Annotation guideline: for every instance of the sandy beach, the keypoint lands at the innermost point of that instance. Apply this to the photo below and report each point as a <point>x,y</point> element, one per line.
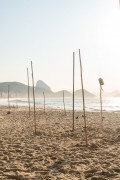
<point>56,152</point>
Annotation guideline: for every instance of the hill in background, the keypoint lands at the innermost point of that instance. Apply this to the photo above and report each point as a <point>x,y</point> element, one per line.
<point>78,93</point>
<point>43,87</point>
<point>20,90</point>
<point>16,89</point>
<point>114,93</point>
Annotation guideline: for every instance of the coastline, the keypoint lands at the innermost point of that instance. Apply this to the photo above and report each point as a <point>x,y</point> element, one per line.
<point>92,104</point>
<point>56,152</point>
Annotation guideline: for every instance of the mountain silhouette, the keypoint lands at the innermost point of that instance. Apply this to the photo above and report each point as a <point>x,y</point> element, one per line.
<point>78,93</point>
<point>42,85</point>
<point>18,89</point>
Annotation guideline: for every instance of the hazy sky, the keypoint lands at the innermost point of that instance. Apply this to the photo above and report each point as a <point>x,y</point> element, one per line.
<point>48,31</point>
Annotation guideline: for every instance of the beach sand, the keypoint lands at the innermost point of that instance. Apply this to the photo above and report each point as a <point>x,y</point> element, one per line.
<point>56,152</point>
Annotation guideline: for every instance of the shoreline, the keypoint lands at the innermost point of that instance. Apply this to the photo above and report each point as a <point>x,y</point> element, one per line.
<point>92,105</point>
<point>47,107</point>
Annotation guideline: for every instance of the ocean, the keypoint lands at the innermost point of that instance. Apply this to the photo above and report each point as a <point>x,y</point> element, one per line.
<point>91,104</point>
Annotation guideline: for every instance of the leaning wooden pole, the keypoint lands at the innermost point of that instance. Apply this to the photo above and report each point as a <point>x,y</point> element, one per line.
<point>83,97</point>
<point>73,86</point>
<point>64,102</point>
<point>28,91</point>
<point>8,99</point>
<point>33,96</point>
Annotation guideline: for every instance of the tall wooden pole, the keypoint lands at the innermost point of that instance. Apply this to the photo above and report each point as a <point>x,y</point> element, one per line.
<point>8,99</point>
<point>28,91</point>
<point>101,102</point>
<point>16,101</point>
<point>73,86</point>
<point>83,96</point>
<point>101,82</point>
<point>44,101</point>
<point>33,96</point>
<point>64,102</point>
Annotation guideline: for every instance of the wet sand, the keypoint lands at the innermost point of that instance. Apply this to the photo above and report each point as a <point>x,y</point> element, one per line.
<point>56,152</point>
